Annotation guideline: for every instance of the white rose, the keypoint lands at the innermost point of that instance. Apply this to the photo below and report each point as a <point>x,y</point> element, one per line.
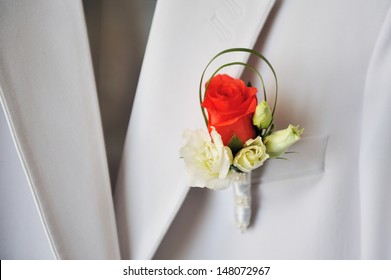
<point>207,162</point>
<point>252,156</point>
<point>278,142</point>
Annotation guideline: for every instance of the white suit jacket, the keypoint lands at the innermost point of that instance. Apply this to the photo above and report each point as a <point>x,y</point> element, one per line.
<point>329,201</point>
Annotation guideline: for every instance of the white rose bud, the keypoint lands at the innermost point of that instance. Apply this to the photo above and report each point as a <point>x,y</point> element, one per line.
<point>251,156</point>
<point>207,162</point>
<point>278,142</point>
<point>262,116</point>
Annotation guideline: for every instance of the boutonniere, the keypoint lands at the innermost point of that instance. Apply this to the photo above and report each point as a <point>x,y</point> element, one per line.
<point>240,134</point>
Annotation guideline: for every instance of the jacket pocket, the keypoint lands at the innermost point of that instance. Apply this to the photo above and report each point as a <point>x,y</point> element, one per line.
<point>305,158</point>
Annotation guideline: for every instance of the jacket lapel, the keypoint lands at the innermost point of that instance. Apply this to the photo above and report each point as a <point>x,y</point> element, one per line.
<point>48,94</point>
<point>152,182</point>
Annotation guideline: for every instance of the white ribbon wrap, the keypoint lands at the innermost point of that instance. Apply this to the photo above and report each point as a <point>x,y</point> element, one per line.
<point>242,194</point>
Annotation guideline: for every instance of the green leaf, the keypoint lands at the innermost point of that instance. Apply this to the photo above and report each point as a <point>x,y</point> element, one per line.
<point>237,170</point>
<point>235,144</point>
<point>253,52</point>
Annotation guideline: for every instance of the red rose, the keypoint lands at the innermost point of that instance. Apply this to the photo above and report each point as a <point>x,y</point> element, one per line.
<point>231,105</point>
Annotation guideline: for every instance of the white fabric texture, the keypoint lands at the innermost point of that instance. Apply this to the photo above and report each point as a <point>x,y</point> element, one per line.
<point>165,105</point>
<point>21,233</point>
<point>375,177</point>
<point>49,97</point>
<point>329,201</point>
<point>338,209</point>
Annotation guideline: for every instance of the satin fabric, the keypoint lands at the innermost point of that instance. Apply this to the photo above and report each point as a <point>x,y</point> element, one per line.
<point>22,235</point>
<point>49,97</point>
